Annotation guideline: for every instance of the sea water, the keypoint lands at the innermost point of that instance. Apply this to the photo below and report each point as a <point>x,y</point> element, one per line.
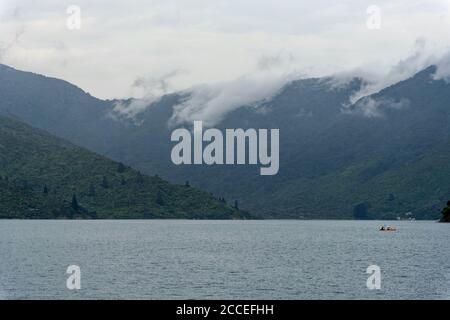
<point>182,259</point>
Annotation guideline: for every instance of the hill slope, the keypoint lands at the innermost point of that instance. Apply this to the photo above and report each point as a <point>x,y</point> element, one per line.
<point>41,173</point>
<point>335,161</point>
<point>383,157</point>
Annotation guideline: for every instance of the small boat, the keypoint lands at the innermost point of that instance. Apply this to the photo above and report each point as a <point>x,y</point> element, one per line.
<point>387,228</point>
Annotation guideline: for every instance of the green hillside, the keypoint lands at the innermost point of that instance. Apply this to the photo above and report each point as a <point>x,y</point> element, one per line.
<point>446,213</point>
<point>336,160</point>
<point>412,190</point>
<point>42,176</point>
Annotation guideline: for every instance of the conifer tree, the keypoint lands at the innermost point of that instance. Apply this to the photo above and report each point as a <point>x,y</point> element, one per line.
<point>74,205</point>
<point>105,183</point>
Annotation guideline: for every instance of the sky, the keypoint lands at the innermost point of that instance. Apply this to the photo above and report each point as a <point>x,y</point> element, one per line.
<point>148,48</point>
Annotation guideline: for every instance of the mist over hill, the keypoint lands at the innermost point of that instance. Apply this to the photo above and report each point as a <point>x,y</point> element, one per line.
<point>383,156</point>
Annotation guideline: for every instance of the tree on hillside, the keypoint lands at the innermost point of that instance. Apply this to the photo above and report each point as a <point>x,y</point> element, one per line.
<point>236,204</point>
<point>148,214</point>
<point>45,191</point>
<point>120,167</point>
<point>446,213</point>
<point>105,183</point>
<point>74,205</point>
<point>139,178</point>
<point>159,198</point>
<point>91,192</point>
<point>360,211</point>
<point>23,184</point>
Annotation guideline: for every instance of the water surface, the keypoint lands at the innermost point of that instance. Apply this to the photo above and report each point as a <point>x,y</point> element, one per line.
<point>173,259</point>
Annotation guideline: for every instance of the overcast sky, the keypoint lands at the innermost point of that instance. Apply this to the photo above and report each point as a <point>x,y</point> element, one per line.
<point>127,47</point>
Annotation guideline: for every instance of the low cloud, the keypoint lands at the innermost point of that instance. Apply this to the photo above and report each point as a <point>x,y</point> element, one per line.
<point>443,68</point>
<point>211,102</point>
<point>376,108</point>
<point>17,31</point>
<point>423,55</point>
<point>157,86</point>
<point>361,102</point>
<point>151,89</point>
<point>132,107</point>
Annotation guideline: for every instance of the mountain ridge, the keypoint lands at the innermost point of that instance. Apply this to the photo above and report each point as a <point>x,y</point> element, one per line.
<point>332,163</point>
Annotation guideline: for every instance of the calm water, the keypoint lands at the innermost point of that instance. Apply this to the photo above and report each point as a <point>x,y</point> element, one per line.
<point>223,259</point>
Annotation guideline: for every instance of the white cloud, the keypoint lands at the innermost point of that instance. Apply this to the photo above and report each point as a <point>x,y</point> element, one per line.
<point>149,89</point>
<point>214,41</point>
<point>375,77</point>
<point>375,108</point>
<point>211,102</point>
<point>443,68</point>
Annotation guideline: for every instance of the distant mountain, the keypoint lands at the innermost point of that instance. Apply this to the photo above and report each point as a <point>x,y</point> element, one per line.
<point>385,156</point>
<point>46,177</point>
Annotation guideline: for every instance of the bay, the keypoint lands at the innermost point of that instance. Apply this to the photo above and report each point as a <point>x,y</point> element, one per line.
<point>183,259</point>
